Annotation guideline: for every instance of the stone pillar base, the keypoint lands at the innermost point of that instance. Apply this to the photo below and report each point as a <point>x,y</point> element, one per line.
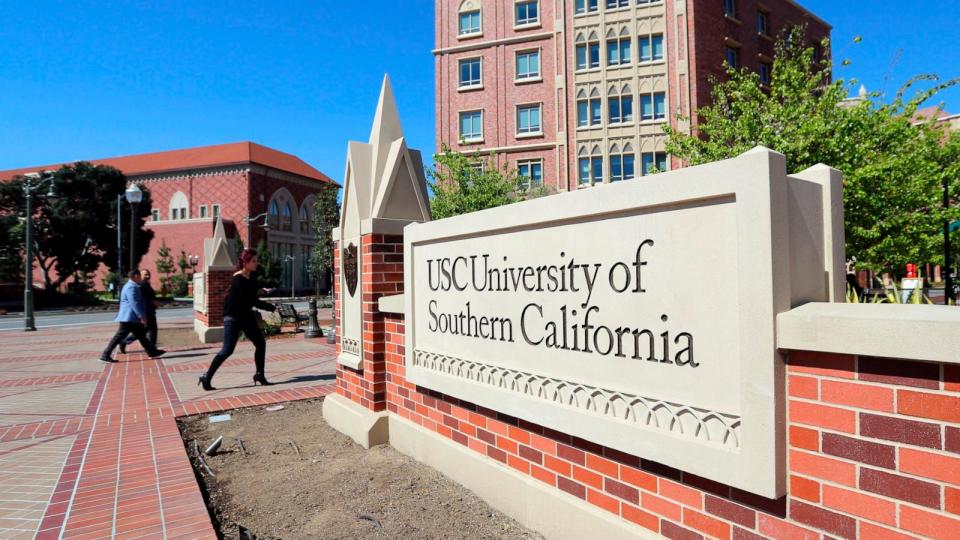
<point>207,334</point>
<point>365,427</point>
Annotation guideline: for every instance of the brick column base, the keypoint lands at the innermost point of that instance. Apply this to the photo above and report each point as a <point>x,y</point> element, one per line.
<point>209,324</point>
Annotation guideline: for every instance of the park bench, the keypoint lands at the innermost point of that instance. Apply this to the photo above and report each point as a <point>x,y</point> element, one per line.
<point>289,314</point>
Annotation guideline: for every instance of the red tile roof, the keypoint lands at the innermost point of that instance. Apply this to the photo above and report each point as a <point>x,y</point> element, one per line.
<point>201,157</point>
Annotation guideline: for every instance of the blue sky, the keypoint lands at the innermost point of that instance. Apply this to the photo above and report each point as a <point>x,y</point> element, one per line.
<point>89,79</point>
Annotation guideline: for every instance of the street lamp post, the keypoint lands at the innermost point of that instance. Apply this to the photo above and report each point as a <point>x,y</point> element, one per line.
<point>134,196</point>
<point>28,189</point>
<point>293,277</point>
<point>248,220</point>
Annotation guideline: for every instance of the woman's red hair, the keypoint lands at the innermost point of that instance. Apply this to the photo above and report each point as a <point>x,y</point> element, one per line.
<point>246,256</point>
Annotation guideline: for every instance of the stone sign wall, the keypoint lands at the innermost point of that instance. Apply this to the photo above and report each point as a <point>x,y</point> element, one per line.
<point>199,293</point>
<point>639,316</point>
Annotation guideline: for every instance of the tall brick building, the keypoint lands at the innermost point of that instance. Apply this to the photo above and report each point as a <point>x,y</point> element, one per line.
<point>191,187</point>
<point>576,92</point>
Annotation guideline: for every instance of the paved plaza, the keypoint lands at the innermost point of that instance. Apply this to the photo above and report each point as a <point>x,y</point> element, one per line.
<point>91,450</point>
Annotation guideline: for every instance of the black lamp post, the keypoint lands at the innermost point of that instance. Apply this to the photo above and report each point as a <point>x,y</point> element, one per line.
<point>134,196</point>
<point>250,219</point>
<point>28,188</point>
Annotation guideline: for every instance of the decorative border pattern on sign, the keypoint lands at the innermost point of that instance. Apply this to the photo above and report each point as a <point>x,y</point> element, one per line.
<point>350,346</point>
<point>683,420</point>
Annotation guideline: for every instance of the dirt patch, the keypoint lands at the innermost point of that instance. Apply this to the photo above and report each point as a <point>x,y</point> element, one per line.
<point>323,485</point>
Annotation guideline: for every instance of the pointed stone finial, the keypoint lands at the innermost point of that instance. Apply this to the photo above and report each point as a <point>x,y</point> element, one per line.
<point>217,251</point>
<point>218,231</point>
<point>862,94</point>
<point>386,130</point>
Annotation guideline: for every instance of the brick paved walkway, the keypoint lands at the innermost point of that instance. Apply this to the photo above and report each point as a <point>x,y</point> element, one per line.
<point>89,450</point>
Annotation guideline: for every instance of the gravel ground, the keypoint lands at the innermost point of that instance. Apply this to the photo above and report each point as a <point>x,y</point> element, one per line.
<point>299,478</point>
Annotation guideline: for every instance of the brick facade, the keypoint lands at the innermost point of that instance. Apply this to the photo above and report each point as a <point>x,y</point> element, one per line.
<point>873,444</point>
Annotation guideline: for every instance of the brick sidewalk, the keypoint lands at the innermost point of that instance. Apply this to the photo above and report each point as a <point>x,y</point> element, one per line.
<point>90,450</point>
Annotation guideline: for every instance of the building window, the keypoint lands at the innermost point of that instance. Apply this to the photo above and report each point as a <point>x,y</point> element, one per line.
<point>621,109</point>
<point>286,222</point>
<point>653,161</point>
<point>527,12</point>
<point>216,211</point>
<point>477,166</point>
<point>155,214</point>
<point>588,112</point>
<point>203,211</point>
<point>590,168</point>
<point>762,23</point>
<point>730,8</point>
<point>653,106</point>
<point>618,51</point>
<point>304,220</point>
<point>588,55</point>
<point>471,126</point>
<point>651,48</point>
<point>733,57</point>
<point>615,4</point>
<point>274,214</point>
<point>764,73</point>
<point>586,6</point>
<point>528,65</point>
<point>531,173</point>
<point>621,166</point>
<point>470,23</point>
<point>528,119</point>
<point>178,206</point>
<point>470,73</point>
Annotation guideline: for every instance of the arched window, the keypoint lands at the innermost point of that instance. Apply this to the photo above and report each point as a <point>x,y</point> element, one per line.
<point>286,223</point>
<point>622,163</point>
<point>179,206</point>
<point>305,227</point>
<point>590,166</point>
<point>470,23</point>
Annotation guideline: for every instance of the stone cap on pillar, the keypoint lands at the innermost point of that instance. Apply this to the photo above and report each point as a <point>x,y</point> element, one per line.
<point>218,253</point>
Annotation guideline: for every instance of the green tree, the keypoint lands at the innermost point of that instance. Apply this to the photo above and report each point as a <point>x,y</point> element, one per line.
<point>77,232</point>
<point>893,165</point>
<point>326,216</point>
<point>460,187</point>
<point>11,249</point>
<point>269,268</point>
<point>165,267</point>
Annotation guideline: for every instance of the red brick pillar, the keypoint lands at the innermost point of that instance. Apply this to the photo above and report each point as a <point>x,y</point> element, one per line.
<point>382,268</point>
<point>209,323</point>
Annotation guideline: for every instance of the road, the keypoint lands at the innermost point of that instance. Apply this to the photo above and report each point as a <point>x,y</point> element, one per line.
<point>57,320</point>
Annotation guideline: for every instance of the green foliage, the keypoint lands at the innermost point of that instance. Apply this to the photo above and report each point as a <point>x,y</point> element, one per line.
<point>893,167</point>
<point>269,268</point>
<point>326,216</point>
<point>77,232</point>
<point>165,267</point>
<point>11,249</point>
<point>182,262</point>
<point>460,187</point>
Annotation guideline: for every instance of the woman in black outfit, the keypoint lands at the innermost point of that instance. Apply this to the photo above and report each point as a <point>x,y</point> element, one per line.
<point>238,316</point>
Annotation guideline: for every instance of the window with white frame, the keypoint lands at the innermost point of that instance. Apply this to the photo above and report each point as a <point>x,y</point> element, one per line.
<point>653,106</point>
<point>590,166</point>
<point>470,73</point>
<point>216,211</point>
<point>470,22</point>
<point>471,126</point>
<point>622,163</point>
<point>477,165</point>
<point>203,211</point>
<point>651,48</point>
<point>586,6</point>
<point>528,65</point>
<point>528,119</point>
<point>589,109</point>
<point>527,12</point>
<point>178,206</point>
<point>653,162</point>
<point>618,50</point>
<point>588,52</point>
<point>155,214</point>
<point>620,105</point>
<point>530,172</point>
<point>617,4</point>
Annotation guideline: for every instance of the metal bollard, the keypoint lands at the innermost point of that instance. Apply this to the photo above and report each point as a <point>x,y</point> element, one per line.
<point>313,329</point>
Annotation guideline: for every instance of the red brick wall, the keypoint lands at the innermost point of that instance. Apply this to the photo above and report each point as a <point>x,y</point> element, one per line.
<point>217,282</point>
<point>382,267</point>
<point>874,447</point>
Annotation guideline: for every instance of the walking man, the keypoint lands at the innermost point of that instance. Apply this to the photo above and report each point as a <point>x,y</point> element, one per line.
<point>150,299</point>
<point>132,318</point>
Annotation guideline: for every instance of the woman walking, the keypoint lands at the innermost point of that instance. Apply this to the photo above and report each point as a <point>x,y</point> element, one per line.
<point>238,316</point>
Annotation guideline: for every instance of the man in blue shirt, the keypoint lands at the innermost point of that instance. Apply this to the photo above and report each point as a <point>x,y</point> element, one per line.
<point>133,320</point>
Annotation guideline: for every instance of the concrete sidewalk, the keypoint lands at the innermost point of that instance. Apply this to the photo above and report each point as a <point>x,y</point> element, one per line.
<point>90,450</point>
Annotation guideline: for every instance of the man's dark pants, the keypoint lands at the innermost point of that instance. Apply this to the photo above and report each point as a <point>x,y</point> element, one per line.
<point>138,330</point>
<point>151,330</point>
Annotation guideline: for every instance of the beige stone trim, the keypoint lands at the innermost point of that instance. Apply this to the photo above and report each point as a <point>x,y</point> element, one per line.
<point>365,427</point>
<point>352,361</point>
<point>207,334</point>
<point>391,304</point>
<point>914,332</point>
<point>492,42</point>
<point>551,512</point>
<point>384,225</point>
